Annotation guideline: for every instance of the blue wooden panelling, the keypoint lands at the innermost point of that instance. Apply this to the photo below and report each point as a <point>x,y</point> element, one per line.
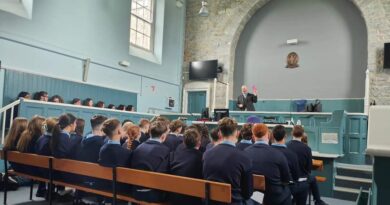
<point>328,105</point>
<point>29,108</point>
<point>351,130</point>
<point>16,81</point>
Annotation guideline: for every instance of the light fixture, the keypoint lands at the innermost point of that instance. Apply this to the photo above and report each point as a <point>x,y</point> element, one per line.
<point>179,3</point>
<point>204,11</point>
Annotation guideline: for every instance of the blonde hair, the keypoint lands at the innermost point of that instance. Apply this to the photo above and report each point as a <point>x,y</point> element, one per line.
<point>31,134</point>
<point>18,126</point>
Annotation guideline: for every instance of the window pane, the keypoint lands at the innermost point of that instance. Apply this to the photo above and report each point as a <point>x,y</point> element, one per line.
<point>133,23</point>
<point>146,42</point>
<point>140,26</point>
<point>141,23</point>
<point>147,30</point>
<point>139,40</point>
<point>132,36</point>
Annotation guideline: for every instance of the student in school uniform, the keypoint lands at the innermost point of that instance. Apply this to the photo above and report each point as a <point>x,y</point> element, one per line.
<point>19,124</point>
<point>134,135</point>
<point>41,96</point>
<point>300,186</point>
<point>27,144</point>
<point>100,104</point>
<point>215,139</point>
<point>88,102</point>
<point>152,155</point>
<point>246,137</point>
<point>227,164</point>
<point>42,147</point>
<point>29,137</point>
<point>187,162</point>
<point>76,101</point>
<point>60,140</point>
<point>204,132</point>
<point>112,154</point>
<point>76,137</point>
<point>91,144</point>
<point>56,99</point>
<point>174,138</point>
<point>272,164</point>
<point>304,155</point>
<point>144,124</point>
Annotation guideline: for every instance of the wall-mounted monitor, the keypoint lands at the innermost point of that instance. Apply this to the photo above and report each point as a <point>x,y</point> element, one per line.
<point>386,63</point>
<point>203,70</point>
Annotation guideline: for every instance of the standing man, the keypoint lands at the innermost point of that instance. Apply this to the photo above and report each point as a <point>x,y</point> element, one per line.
<point>245,100</point>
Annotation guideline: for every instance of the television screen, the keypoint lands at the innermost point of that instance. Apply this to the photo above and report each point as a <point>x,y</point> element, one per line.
<point>386,63</point>
<point>203,70</point>
<point>220,113</point>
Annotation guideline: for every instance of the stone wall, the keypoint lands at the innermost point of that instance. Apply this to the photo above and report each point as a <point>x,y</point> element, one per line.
<point>216,37</point>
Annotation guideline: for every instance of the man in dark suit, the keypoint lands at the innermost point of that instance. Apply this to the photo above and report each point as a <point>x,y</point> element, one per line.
<point>246,100</point>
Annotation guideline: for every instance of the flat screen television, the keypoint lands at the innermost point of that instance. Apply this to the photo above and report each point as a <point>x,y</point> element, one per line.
<point>386,63</point>
<point>203,70</point>
<point>220,113</point>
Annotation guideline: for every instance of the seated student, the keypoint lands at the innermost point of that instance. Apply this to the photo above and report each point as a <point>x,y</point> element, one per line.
<point>91,144</point>
<point>121,107</point>
<point>174,138</point>
<point>272,164</point>
<point>41,96</point>
<point>60,140</point>
<point>76,101</point>
<point>134,135</point>
<point>43,143</point>
<point>111,106</point>
<point>19,124</point>
<point>56,99</point>
<point>215,139</point>
<point>27,142</point>
<point>152,155</point>
<point>227,164</point>
<point>204,132</point>
<point>187,162</point>
<point>144,124</point>
<point>23,95</point>
<point>100,104</point>
<point>42,148</point>
<point>88,102</point>
<point>76,137</point>
<point>112,154</point>
<point>130,108</point>
<point>126,124</point>
<point>312,180</point>
<point>299,188</point>
<point>246,137</point>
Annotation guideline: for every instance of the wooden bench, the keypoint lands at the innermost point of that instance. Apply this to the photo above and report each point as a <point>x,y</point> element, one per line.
<point>207,190</point>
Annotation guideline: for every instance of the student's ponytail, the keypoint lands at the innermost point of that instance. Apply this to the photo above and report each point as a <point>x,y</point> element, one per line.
<point>63,121</point>
<point>54,140</point>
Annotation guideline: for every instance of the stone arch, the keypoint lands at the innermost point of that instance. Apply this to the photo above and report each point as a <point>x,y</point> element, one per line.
<point>376,26</point>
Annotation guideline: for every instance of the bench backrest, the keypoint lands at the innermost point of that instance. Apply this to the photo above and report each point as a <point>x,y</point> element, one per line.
<point>170,183</point>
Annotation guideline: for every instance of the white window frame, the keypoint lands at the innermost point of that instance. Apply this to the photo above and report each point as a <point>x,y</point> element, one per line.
<point>155,54</point>
<point>152,27</point>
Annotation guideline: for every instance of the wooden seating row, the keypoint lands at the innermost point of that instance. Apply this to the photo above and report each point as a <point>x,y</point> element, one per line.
<point>207,190</point>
